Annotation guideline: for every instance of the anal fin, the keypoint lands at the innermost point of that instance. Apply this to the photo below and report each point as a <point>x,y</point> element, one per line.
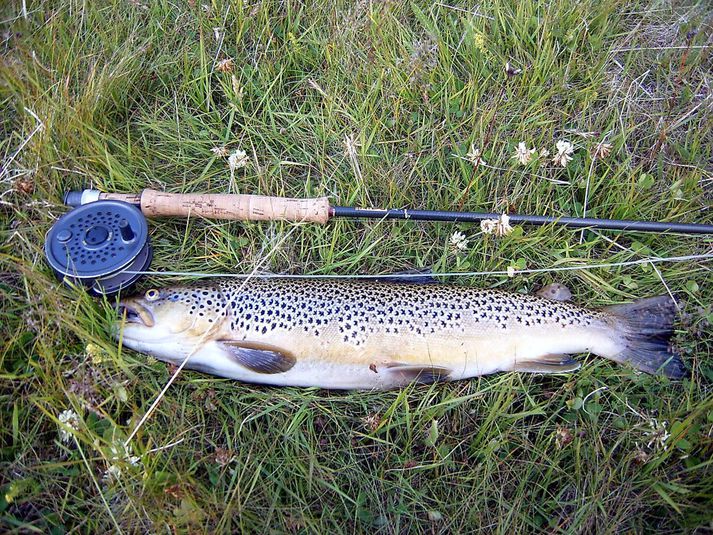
<point>409,373</point>
<point>547,364</point>
<point>260,358</point>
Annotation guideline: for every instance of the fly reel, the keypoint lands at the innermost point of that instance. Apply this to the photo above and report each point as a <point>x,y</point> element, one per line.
<point>100,245</point>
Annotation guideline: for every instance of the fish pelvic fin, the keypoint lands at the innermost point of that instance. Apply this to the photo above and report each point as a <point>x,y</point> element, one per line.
<point>258,358</point>
<point>645,327</point>
<point>547,364</point>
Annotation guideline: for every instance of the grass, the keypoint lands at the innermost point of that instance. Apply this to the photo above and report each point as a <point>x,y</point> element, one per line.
<point>129,96</point>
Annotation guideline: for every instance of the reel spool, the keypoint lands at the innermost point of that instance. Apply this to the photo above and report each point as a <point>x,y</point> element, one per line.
<point>96,243</point>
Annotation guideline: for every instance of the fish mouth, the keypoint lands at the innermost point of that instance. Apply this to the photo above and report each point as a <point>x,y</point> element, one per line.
<point>135,313</point>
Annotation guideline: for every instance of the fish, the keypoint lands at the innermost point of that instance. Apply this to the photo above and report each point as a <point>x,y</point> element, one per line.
<point>368,334</point>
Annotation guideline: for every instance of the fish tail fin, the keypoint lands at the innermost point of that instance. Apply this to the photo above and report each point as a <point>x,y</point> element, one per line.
<point>645,327</point>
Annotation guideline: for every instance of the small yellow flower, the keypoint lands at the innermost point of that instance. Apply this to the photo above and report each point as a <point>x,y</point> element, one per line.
<point>96,353</point>
<point>293,41</point>
<point>479,41</point>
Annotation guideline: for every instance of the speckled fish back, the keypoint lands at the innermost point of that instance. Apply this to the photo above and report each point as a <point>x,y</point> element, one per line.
<point>358,308</point>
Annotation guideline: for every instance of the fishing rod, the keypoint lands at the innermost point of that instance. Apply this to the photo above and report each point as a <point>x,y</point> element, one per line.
<point>103,243</point>
<point>244,207</point>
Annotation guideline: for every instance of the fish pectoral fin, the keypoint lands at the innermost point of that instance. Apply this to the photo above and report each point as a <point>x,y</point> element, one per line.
<point>547,364</point>
<point>259,358</point>
<point>555,292</point>
<point>422,374</point>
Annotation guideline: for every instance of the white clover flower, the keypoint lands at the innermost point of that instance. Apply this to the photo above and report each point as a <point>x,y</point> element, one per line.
<point>564,153</point>
<point>504,225</point>
<point>220,151</point>
<point>121,453</point>
<point>499,227</point>
<point>487,226</point>
<point>602,151</point>
<point>458,241</point>
<point>223,457</point>
<point>658,435</point>
<point>225,65</point>
<point>511,271</point>
<point>113,473</point>
<point>119,456</point>
<point>473,156</point>
<point>350,146</point>
<point>70,424</point>
<point>523,154</point>
<point>237,159</point>
<point>543,155</point>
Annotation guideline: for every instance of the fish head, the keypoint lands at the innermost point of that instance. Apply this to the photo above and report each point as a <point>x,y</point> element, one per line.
<point>170,323</point>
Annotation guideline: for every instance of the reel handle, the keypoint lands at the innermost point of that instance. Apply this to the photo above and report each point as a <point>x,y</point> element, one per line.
<point>215,206</point>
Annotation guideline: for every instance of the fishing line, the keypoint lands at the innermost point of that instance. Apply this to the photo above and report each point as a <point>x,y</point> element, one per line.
<point>648,260</point>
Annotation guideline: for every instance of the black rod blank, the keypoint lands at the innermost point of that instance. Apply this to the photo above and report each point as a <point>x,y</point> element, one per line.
<point>515,219</point>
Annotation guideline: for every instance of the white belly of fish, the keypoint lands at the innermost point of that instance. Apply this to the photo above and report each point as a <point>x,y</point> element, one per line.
<point>397,366</point>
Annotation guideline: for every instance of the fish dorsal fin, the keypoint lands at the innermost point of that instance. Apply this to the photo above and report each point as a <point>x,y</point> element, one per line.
<point>547,364</point>
<point>415,276</point>
<point>422,374</point>
<point>555,292</point>
<point>260,358</point>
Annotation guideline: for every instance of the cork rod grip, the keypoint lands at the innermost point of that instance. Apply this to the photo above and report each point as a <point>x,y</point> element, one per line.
<point>237,206</point>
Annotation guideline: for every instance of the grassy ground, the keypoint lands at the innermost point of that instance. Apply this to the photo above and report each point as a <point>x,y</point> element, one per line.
<point>373,104</point>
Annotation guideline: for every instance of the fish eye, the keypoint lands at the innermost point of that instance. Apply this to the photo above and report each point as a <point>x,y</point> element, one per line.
<point>152,294</point>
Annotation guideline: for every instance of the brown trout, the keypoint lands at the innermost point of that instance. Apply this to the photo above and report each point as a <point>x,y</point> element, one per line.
<point>366,334</point>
